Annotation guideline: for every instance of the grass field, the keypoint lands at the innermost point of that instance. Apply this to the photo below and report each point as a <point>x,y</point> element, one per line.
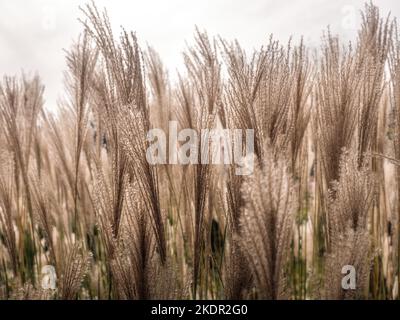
<point>78,193</point>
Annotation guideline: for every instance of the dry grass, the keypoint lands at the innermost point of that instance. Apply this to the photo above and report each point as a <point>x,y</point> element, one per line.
<point>77,191</point>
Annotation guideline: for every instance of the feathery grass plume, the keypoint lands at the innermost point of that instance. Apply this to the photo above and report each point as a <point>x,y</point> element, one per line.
<point>74,270</point>
<point>108,195</point>
<point>159,84</point>
<point>29,292</point>
<point>21,101</point>
<point>133,139</point>
<point>56,147</point>
<point>81,62</point>
<point>162,110</point>
<point>136,264</point>
<point>124,70</point>
<point>300,107</point>
<point>337,106</point>
<point>8,210</point>
<point>173,183</point>
<point>110,160</point>
<point>262,92</point>
<point>204,70</point>
<point>135,249</point>
<point>267,224</point>
<point>110,92</point>
<point>168,288</point>
<point>108,198</point>
<point>355,191</point>
<point>337,103</point>
<point>275,94</point>
<point>110,172</point>
<point>237,275</point>
<point>56,133</point>
<point>244,79</point>
<point>44,207</point>
<point>78,180</point>
<point>243,86</point>
<point>394,67</point>
<point>394,64</point>
<point>348,228</point>
<point>303,73</point>
<point>238,279</point>
<point>184,185</point>
<point>121,58</point>
<point>261,97</point>
<point>373,47</point>
<point>103,199</point>
<point>20,105</point>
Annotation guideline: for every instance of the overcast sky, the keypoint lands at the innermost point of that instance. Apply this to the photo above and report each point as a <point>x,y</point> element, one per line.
<point>34,33</point>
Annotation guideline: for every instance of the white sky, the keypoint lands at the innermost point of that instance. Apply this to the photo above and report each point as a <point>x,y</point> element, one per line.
<point>34,33</point>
